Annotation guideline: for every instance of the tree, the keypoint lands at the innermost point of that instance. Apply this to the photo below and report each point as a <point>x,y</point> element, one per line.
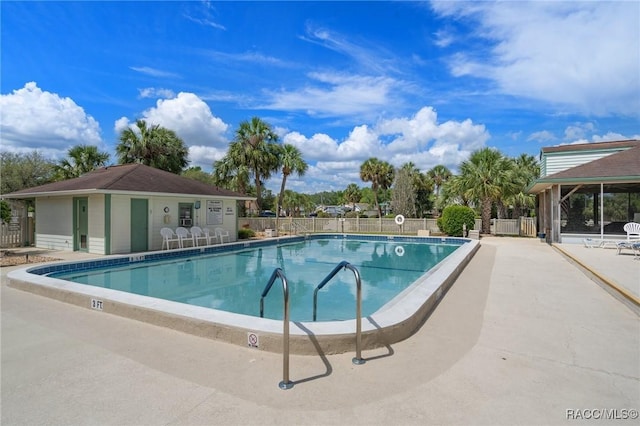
<point>81,159</point>
<point>453,192</point>
<point>404,195</point>
<point>439,175</point>
<point>352,195</point>
<point>482,178</point>
<point>422,189</point>
<point>255,148</point>
<point>231,176</point>
<point>152,146</point>
<point>197,173</point>
<point>291,162</point>
<point>380,174</point>
<point>526,170</point>
<point>5,211</point>
<point>21,171</point>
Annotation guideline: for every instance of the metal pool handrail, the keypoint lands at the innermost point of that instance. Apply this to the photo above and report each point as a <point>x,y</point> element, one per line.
<point>346,265</point>
<point>277,273</point>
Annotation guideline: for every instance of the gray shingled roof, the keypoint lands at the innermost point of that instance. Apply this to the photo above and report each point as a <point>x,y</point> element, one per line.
<point>622,167</point>
<point>135,178</point>
<point>629,143</point>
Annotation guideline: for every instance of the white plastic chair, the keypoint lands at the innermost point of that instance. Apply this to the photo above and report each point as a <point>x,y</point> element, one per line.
<point>197,234</point>
<point>168,236</point>
<point>183,235</point>
<point>209,236</point>
<point>222,234</point>
<point>633,231</point>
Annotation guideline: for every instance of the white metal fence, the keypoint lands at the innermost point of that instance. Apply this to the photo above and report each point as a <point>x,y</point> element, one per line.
<point>300,225</point>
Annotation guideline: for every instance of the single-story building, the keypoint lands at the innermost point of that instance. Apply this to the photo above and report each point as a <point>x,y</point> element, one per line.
<point>121,209</point>
<point>588,190</point>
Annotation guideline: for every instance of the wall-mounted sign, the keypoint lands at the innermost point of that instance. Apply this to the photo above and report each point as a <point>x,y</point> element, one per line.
<point>214,212</point>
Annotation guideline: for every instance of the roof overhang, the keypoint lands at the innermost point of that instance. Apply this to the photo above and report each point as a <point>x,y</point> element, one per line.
<point>543,184</point>
<point>87,192</point>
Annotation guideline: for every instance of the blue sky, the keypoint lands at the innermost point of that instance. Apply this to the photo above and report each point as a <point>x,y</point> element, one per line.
<point>427,82</point>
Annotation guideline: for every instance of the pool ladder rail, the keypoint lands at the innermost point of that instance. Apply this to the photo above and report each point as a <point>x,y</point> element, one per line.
<point>278,273</point>
<point>341,266</point>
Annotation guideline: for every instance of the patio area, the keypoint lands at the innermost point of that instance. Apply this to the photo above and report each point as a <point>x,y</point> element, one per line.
<point>524,336</point>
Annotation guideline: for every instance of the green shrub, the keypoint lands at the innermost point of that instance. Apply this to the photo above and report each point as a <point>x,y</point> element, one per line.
<point>5,210</point>
<point>245,233</point>
<point>452,219</point>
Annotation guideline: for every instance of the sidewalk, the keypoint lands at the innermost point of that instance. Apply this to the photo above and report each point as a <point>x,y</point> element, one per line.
<point>623,270</point>
<point>522,337</point>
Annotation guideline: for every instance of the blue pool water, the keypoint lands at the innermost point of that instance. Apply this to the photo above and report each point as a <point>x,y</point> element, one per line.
<point>234,281</point>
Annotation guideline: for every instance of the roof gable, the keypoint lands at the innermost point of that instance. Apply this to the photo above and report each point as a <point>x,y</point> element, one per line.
<point>592,146</point>
<point>130,178</point>
<point>621,164</point>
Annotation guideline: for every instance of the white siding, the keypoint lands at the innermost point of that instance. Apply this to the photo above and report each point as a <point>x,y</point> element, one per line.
<point>159,219</point>
<point>54,223</point>
<point>557,162</point>
<point>54,242</point>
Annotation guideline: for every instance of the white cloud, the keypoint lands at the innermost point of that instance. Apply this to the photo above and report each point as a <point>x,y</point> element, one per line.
<point>339,95</point>
<point>419,139</point>
<point>121,124</point>
<point>192,120</point>
<point>372,58</point>
<point>578,131</point>
<point>613,136</point>
<point>542,136</point>
<point>154,72</point>
<point>155,92</point>
<point>443,38</point>
<point>585,55</point>
<point>35,119</point>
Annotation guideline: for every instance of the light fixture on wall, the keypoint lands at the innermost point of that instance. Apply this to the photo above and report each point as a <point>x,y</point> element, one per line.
<point>197,204</point>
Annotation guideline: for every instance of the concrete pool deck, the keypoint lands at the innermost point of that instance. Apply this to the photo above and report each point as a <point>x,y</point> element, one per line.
<point>523,337</point>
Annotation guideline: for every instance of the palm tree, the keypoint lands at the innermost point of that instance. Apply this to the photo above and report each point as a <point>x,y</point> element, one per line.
<point>482,178</point>
<point>291,162</point>
<point>439,175</point>
<point>152,146</point>
<point>454,193</point>
<point>352,195</point>
<point>380,174</point>
<point>229,176</point>
<point>526,169</point>
<point>255,147</point>
<point>81,159</point>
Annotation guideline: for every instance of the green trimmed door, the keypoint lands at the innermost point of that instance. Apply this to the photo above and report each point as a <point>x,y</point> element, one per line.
<point>139,225</point>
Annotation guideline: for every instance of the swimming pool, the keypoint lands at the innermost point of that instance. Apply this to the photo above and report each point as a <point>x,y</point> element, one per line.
<point>393,305</point>
<point>233,281</point>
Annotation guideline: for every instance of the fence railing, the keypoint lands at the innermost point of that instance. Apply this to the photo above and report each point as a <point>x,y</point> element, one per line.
<point>17,233</point>
<point>524,226</point>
